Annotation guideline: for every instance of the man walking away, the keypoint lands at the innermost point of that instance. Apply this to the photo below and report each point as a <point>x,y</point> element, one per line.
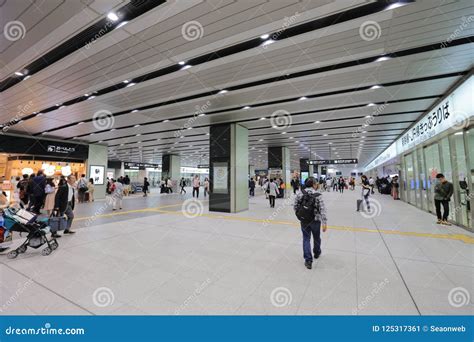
<point>82,188</point>
<point>251,187</point>
<point>182,184</point>
<point>443,192</point>
<point>311,212</point>
<point>146,185</point>
<point>126,187</point>
<point>273,192</point>
<point>38,188</point>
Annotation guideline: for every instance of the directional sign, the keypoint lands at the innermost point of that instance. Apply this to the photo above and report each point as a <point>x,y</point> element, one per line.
<point>332,161</point>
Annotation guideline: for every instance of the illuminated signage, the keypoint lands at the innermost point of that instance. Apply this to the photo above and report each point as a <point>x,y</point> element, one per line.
<point>332,161</point>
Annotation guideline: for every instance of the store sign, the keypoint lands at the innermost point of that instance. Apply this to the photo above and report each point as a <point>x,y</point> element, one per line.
<point>60,149</point>
<point>454,111</point>
<point>203,166</point>
<point>332,161</point>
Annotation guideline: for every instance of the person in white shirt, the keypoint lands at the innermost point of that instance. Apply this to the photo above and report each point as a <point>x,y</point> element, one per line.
<point>272,190</point>
<point>372,184</point>
<point>117,194</point>
<point>196,185</point>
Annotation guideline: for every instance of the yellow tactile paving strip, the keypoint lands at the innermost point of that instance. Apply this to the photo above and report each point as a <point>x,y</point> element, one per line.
<point>459,237</point>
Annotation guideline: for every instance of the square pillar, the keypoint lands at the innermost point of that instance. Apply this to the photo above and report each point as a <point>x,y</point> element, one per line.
<point>228,168</point>
<point>279,159</point>
<point>171,167</point>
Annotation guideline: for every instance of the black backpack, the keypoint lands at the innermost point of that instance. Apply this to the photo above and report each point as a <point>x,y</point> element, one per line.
<point>305,211</point>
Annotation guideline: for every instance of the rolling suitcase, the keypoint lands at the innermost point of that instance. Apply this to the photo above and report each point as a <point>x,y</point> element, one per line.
<point>360,207</point>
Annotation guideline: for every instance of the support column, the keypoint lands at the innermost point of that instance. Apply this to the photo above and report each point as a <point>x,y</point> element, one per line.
<point>171,167</point>
<point>310,170</point>
<point>279,162</point>
<point>98,159</point>
<point>228,168</point>
<point>252,171</point>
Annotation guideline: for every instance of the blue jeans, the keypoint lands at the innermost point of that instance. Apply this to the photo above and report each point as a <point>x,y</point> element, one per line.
<point>315,229</point>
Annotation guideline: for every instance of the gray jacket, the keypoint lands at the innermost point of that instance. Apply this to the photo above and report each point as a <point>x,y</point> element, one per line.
<point>443,191</point>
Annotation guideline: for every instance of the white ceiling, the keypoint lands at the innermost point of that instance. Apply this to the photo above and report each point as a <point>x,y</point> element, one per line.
<point>155,40</point>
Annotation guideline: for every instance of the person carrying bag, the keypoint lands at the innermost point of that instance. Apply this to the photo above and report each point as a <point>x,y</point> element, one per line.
<point>57,223</point>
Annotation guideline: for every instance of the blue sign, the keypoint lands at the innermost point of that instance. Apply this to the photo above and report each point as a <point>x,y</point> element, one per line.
<point>236,328</point>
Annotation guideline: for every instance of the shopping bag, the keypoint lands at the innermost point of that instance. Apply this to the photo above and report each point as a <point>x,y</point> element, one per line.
<point>57,223</point>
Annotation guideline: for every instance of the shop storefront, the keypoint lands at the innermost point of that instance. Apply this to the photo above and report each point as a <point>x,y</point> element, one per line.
<point>442,141</point>
<point>21,155</point>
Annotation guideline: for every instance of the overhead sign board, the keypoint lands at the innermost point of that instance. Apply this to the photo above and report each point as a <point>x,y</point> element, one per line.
<point>454,111</point>
<point>333,161</point>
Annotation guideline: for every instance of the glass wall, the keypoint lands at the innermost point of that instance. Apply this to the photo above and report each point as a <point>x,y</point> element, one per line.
<point>452,156</point>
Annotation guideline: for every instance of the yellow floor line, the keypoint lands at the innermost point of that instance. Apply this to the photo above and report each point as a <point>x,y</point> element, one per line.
<point>114,213</point>
<point>459,237</point>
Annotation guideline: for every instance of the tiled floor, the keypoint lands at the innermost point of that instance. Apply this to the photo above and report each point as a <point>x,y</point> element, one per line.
<point>155,258</point>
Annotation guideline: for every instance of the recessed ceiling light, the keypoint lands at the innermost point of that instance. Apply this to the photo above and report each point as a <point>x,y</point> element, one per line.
<point>458,133</point>
<point>80,123</point>
<point>126,81</point>
<point>123,23</point>
<point>246,107</point>
<point>186,67</point>
<point>263,118</point>
<point>325,135</point>
<point>190,128</point>
<point>74,137</point>
<point>283,132</point>
<point>383,58</point>
<point>265,36</point>
<point>223,91</point>
<point>268,42</point>
<point>135,110</point>
<point>368,116</point>
<point>137,135</point>
<point>302,98</point>
<point>165,120</point>
<point>112,16</point>
<point>396,5</point>
<point>18,73</point>
<point>130,84</point>
<point>91,97</point>
<point>207,134</point>
<point>316,122</point>
<point>202,114</point>
<point>260,139</point>
<point>371,104</point>
<point>376,87</point>
<point>27,77</point>
<point>290,137</point>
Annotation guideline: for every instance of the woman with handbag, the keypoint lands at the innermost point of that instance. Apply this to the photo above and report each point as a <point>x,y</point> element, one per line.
<point>50,191</point>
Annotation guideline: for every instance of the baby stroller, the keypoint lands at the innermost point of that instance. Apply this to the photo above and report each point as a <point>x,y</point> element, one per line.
<point>22,221</point>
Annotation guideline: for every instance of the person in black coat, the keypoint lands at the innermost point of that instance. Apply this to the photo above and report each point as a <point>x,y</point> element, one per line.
<point>64,202</point>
